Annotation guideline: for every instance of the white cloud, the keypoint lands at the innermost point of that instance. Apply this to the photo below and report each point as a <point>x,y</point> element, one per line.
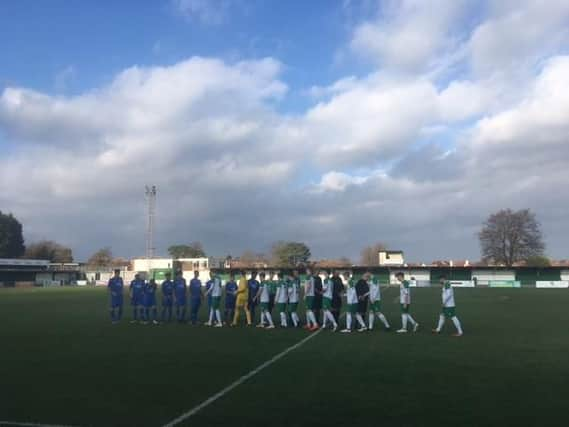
<point>408,35</point>
<point>342,85</point>
<point>542,118</point>
<point>200,127</point>
<point>518,34</point>
<point>370,121</point>
<point>403,157</point>
<point>465,99</point>
<point>338,181</point>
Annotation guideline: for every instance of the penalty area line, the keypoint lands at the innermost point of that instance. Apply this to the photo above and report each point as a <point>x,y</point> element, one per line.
<point>239,381</point>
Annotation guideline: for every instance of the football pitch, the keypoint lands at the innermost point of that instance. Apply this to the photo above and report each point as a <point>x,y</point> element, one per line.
<point>63,363</point>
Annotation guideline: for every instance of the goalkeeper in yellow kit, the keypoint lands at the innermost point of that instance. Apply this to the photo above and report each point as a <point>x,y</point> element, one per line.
<point>242,300</point>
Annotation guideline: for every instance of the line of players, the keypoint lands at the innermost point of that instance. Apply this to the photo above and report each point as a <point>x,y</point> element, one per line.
<point>244,295</point>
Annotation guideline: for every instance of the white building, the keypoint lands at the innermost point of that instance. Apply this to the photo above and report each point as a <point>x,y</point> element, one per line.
<point>187,265</point>
<point>391,258</point>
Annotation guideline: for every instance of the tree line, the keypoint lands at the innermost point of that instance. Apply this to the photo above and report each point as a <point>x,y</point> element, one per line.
<point>507,237</point>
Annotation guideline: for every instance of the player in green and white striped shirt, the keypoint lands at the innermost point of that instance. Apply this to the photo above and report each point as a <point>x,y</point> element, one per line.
<point>263,297</point>
<point>352,302</point>
<point>293,297</point>
<point>309,292</point>
<point>281,299</point>
<point>327,292</point>
<point>375,302</point>
<point>215,292</point>
<point>448,308</point>
<point>405,300</point>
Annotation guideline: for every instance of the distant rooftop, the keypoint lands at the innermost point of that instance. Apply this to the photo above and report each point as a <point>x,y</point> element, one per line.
<point>24,262</point>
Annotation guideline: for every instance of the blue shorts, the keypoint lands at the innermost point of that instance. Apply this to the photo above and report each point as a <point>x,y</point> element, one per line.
<point>116,302</point>
<point>168,301</point>
<point>137,300</point>
<point>181,302</point>
<point>230,304</point>
<point>150,301</point>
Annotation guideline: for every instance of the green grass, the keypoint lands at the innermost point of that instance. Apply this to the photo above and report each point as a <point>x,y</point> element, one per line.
<point>61,361</point>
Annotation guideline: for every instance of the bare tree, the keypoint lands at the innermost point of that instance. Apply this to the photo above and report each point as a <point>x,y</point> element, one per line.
<point>49,250</point>
<point>508,237</point>
<point>370,254</point>
<point>249,259</point>
<point>343,262</point>
<point>102,258</point>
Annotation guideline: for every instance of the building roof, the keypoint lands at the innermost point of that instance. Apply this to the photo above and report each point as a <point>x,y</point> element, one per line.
<point>16,262</point>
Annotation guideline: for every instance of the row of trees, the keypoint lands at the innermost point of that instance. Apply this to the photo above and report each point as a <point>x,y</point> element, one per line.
<point>507,237</point>
<point>12,243</point>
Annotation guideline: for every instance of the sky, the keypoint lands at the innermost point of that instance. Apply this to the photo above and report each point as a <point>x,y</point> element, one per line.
<point>336,123</point>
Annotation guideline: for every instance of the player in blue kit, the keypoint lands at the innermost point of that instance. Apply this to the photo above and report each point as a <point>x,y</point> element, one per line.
<point>230,298</point>
<point>150,302</point>
<point>115,287</point>
<point>136,292</point>
<point>180,296</point>
<point>167,297</point>
<point>195,297</point>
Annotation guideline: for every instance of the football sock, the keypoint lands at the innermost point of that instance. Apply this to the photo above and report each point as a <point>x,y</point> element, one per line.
<point>441,323</point>
<point>283,320</point>
<point>295,318</point>
<point>269,318</point>
<point>411,320</point>
<point>349,321</point>
<point>457,324</point>
<point>404,321</point>
<point>360,320</point>
<point>383,320</point>
<point>312,318</point>
<point>371,319</point>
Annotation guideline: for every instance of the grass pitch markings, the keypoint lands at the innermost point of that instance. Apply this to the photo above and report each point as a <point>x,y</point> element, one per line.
<point>239,381</point>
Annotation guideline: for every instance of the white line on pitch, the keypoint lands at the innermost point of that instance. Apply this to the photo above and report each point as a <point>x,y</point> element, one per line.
<point>20,424</point>
<point>238,382</point>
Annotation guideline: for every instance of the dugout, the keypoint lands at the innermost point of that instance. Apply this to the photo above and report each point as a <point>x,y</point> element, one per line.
<point>527,276</point>
<point>15,272</point>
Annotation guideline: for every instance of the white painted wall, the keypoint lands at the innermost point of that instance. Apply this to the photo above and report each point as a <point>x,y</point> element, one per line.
<point>142,264</point>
